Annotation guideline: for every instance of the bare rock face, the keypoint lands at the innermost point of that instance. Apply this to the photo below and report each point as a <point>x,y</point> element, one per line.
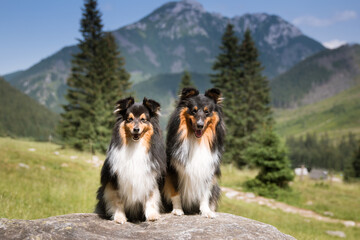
<point>90,226</point>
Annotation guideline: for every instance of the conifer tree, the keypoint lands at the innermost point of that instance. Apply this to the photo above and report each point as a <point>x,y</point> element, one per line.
<point>268,154</point>
<point>227,68</point>
<point>255,91</point>
<point>97,80</point>
<point>185,82</point>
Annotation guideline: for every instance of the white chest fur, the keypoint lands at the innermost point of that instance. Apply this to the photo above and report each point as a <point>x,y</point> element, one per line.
<point>131,164</point>
<point>196,170</point>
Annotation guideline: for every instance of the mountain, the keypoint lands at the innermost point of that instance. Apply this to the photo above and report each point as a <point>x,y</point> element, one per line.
<point>337,116</point>
<point>182,35</point>
<point>318,77</point>
<point>176,36</point>
<point>46,80</point>
<point>22,116</point>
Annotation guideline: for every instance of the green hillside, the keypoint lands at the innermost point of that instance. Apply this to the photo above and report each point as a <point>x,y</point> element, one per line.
<point>46,80</point>
<point>318,77</point>
<point>21,116</point>
<point>336,116</point>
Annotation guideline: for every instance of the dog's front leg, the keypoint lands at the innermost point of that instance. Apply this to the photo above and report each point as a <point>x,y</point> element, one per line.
<point>114,204</point>
<point>152,206</point>
<point>176,202</point>
<point>119,215</point>
<point>204,206</point>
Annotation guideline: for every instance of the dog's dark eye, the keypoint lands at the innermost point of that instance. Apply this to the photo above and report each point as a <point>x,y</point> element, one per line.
<point>130,119</point>
<point>143,120</point>
<point>194,111</point>
<point>206,112</point>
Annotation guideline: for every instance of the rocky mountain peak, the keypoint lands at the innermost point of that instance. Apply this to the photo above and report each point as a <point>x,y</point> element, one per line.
<point>190,4</point>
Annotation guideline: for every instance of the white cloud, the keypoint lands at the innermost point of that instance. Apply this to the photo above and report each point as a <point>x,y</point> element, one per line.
<point>318,22</point>
<point>335,43</point>
<point>345,15</point>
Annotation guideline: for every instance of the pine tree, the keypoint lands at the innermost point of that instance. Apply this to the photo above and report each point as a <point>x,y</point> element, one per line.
<point>255,94</point>
<point>245,91</point>
<point>228,69</point>
<point>185,82</point>
<point>268,154</point>
<point>97,80</point>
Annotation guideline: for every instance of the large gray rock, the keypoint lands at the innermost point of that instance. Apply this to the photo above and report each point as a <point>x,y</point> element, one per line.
<point>90,226</point>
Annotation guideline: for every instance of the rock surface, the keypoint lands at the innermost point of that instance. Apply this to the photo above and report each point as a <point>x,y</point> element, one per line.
<point>90,226</point>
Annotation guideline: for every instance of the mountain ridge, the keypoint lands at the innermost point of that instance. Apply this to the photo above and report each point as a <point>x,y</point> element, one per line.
<point>318,77</point>
<point>336,117</point>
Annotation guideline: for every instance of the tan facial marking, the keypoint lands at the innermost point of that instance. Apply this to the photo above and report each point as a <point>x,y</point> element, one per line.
<point>147,133</point>
<point>145,129</point>
<point>210,131</point>
<point>142,116</point>
<point>124,133</point>
<point>185,126</point>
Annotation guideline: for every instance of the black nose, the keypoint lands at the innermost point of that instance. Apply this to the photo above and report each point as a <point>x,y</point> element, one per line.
<point>200,125</point>
<point>136,130</point>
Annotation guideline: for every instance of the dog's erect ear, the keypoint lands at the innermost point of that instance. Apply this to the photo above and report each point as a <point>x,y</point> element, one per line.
<point>153,106</point>
<point>123,104</point>
<point>214,94</point>
<point>188,92</point>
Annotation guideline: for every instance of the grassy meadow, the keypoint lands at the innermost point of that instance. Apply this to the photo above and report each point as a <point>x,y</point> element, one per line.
<point>51,185</point>
<point>336,116</point>
<point>42,179</point>
<point>342,199</point>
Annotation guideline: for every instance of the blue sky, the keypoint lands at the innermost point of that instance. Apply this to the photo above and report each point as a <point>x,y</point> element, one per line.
<point>34,29</point>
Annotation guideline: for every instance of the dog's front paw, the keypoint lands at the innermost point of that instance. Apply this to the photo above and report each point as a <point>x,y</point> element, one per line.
<point>177,212</point>
<point>120,218</point>
<point>208,214</point>
<point>152,215</point>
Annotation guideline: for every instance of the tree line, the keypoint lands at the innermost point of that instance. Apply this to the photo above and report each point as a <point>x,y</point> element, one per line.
<point>315,151</point>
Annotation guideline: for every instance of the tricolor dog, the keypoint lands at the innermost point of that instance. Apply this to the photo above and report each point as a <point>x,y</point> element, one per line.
<point>194,145</point>
<point>134,165</point>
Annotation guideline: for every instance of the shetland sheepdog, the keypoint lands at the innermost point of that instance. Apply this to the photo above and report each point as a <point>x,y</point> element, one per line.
<point>194,145</point>
<point>134,166</point>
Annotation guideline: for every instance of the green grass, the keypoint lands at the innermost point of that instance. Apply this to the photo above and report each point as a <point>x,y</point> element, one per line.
<point>336,116</point>
<point>36,193</point>
<point>339,198</point>
<point>342,199</point>
<point>294,225</point>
